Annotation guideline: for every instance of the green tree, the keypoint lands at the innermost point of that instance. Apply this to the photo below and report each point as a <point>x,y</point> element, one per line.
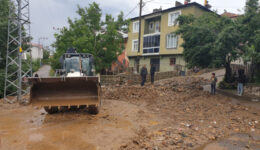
<point>198,39</point>
<point>209,41</point>
<point>227,48</point>
<point>250,28</point>
<point>89,34</point>
<point>46,54</point>
<point>4,11</point>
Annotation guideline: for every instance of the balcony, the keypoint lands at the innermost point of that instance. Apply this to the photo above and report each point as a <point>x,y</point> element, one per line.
<point>151,44</point>
<point>152,25</point>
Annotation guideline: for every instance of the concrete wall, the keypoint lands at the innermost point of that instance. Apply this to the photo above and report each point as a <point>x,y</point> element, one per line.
<point>164,62</point>
<point>37,53</point>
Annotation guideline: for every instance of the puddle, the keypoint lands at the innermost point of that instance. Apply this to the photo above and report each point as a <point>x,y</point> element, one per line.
<point>234,142</point>
<point>255,100</point>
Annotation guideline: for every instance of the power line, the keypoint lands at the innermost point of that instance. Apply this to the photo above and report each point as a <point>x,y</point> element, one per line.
<point>136,7</point>
<point>148,1</point>
<point>131,10</point>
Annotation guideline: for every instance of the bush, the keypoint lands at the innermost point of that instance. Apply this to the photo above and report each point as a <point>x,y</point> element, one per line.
<point>55,64</point>
<point>36,65</point>
<point>52,73</point>
<point>225,85</point>
<point>2,82</point>
<point>45,61</point>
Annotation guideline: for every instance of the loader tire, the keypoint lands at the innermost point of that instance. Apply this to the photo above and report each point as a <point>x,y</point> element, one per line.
<point>92,109</point>
<point>52,110</point>
<point>64,108</point>
<point>74,108</point>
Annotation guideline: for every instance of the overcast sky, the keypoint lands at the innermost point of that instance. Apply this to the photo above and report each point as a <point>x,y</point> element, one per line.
<point>49,14</point>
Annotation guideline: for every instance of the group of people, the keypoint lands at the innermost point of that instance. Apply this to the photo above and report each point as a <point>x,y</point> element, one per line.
<point>241,80</point>
<point>144,73</point>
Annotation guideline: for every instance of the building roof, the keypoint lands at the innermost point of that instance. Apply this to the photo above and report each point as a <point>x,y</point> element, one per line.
<point>176,8</point>
<point>124,35</point>
<point>36,45</point>
<point>230,15</point>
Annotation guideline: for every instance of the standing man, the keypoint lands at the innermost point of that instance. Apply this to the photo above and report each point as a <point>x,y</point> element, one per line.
<point>214,81</point>
<point>143,75</point>
<point>241,81</point>
<point>36,75</point>
<point>152,72</point>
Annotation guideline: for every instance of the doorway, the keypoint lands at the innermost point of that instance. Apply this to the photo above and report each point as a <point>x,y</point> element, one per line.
<point>156,62</point>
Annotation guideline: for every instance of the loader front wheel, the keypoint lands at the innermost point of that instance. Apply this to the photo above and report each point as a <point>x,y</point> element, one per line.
<point>92,109</point>
<point>51,110</point>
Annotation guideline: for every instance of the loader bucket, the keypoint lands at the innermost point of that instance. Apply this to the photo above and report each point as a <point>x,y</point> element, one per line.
<point>65,91</point>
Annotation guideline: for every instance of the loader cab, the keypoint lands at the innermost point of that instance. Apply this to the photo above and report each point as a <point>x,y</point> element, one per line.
<point>87,66</point>
<point>72,64</point>
<point>78,64</point>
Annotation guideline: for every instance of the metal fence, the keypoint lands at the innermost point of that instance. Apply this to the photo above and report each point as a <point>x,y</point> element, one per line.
<point>247,68</point>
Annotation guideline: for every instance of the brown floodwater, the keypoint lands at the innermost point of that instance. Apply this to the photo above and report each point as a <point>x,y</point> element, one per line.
<point>28,128</point>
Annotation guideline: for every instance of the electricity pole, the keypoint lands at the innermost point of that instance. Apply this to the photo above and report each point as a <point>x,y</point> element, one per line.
<point>18,45</point>
<point>140,23</point>
<point>139,38</point>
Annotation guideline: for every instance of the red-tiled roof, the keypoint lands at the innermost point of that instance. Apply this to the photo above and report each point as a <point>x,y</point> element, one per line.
<point>230,15</point>
<point>36,45</point>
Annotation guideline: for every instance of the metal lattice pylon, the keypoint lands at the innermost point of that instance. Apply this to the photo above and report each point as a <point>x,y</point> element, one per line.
<point>18,57</point>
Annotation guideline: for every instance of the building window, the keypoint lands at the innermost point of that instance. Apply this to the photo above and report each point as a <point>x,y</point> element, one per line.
<point>157,27</point>
<point>171,41</point>
<point>151,44</point>
<point>173,17</point>
<point>172,61</point>
<point>151,26</point>
<point>136,27</point>
<point>135,45</point>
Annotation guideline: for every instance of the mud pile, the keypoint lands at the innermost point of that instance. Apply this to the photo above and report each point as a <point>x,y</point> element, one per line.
<point>186,116</point>
<point>160,88</point>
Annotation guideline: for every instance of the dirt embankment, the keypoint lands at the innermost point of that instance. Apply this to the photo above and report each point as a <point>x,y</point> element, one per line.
<point>183,115</point>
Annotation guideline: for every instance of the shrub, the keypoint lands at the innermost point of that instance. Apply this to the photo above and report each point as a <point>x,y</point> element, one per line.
<point>225,85</point>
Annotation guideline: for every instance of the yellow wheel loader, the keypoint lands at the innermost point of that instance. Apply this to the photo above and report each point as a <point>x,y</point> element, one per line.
<point>77,86</point>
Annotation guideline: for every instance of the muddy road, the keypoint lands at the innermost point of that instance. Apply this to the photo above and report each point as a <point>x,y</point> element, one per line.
<point>28,128</point>
<point>172,114</point>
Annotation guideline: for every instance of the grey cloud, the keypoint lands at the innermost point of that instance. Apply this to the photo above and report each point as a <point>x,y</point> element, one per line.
<point>46,14</point>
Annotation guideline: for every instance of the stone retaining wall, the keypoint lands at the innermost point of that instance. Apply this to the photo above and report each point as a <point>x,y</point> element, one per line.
<point>253,90</point>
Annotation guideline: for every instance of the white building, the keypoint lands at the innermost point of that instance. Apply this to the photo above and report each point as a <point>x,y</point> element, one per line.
<point>37,51</point>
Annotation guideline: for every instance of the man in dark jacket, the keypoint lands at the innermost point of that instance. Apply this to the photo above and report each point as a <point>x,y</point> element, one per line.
<point>241,81</point>
<point>152,72</point>
<point>36,75</point>
<point>143,75</point>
